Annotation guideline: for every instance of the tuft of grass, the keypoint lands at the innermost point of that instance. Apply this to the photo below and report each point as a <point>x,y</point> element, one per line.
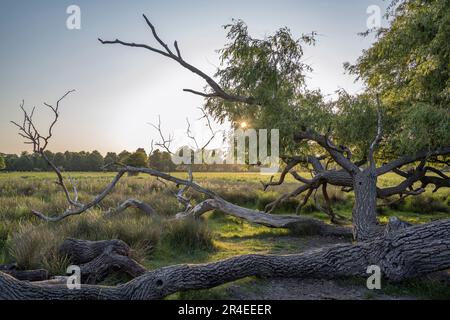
<point>424,204</point>
<point>428,288</point>
<point>434,287</point>
<point>188,235</point>
<point>33,247</point>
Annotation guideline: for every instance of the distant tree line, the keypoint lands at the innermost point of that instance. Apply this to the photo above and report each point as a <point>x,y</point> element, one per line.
<point>94,161</point>
<point>87,161</point>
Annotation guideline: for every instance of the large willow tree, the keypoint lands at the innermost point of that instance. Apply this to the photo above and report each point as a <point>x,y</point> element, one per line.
<point>401,119</point>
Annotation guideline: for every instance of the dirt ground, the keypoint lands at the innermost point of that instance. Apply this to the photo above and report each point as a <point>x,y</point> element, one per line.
<point>306,289</point>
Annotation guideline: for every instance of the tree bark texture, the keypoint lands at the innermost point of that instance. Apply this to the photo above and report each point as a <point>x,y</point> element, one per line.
<point>98,259</point>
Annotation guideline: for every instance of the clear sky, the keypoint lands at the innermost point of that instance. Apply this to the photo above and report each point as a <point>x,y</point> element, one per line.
<point>120,89</point>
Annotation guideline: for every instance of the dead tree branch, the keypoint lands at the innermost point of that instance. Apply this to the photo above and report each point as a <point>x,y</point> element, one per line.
<point>217,90</point>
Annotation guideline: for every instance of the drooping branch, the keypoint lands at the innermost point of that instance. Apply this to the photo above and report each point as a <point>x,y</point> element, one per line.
<point>335,218</point>
<point>304,201</point>
<point>315,183</point>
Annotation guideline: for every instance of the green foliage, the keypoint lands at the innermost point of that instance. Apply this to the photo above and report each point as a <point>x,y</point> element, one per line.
<point>188,235</point>
<point>29,246</point>
<point>137,159</point>
<point>71,161</point>
<point>161,160</point>
<point>2,163</point>
<point>410,60</point>
<point>95,161</point>
<point>111,158</point>
<point>354,122</point>
<point>270,70</point>
<point>408,66</point>
<point>424,126</point>
<point>123,156</point>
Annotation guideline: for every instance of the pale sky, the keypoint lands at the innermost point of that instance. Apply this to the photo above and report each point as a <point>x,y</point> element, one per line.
<point>120,89</point>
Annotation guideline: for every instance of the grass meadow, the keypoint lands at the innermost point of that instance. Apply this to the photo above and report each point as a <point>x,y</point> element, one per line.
<point>159,240</point>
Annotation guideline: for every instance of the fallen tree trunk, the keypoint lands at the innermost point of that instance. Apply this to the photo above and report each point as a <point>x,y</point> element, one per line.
<point>83,251</point>
<point>27,275</point>
<point>408,253</point>
<point>298,224</point>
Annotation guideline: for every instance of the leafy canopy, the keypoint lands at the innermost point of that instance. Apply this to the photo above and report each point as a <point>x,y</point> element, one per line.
<point>409,66</point>
<point>271,71</point>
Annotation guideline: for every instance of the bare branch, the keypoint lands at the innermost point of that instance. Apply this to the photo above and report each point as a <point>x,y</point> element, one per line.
<point>313,185</point>
<point>322,140</point>
<point>216,88</point>
<point>305,201</point>
<point>181,193</point>
<point>291,164</point>
<point>29,132</point>
<point>211,130</point>
<point>341,149</point>
<point>165,142</point>
<point>83,208</point>
<point>189,134</point>
<point>438,172</point>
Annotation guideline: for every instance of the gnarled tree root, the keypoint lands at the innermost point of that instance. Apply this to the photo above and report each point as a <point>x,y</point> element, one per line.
<point>98,259</point>
<point>408,253</point>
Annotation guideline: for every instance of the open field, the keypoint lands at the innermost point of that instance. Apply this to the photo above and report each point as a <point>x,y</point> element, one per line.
<point>158,241</point>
